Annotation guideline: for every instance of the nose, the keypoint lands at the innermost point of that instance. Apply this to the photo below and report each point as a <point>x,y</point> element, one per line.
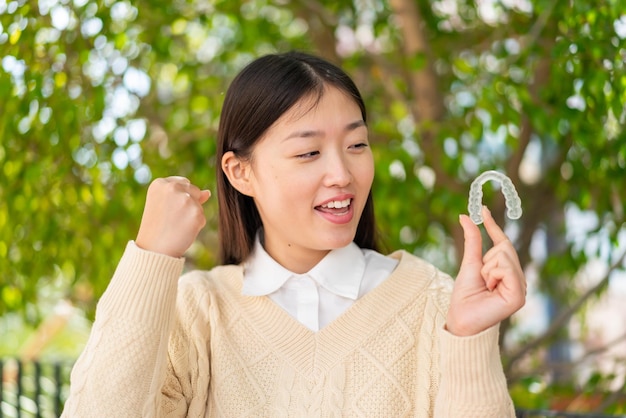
<point>338,171</point>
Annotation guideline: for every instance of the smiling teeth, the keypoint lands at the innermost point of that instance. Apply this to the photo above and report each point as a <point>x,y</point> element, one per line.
<point>337,204</point>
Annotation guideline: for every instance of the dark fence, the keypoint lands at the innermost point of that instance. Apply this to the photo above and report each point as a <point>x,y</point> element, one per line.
<point>39,389</point>
<point>33,388</point>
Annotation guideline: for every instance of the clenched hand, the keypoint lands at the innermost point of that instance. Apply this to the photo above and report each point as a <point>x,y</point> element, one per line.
<point>172,217</point>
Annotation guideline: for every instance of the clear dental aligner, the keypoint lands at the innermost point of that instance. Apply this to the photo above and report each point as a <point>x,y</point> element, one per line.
<point>511,198</point>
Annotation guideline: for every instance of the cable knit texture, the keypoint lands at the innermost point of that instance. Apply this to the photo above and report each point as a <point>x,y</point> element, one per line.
<point>195,347</point>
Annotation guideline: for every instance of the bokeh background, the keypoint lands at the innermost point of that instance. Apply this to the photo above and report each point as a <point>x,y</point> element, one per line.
<point>99,97</point>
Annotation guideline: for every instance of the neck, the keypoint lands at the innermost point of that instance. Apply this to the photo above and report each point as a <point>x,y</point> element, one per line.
<point>294,259</point>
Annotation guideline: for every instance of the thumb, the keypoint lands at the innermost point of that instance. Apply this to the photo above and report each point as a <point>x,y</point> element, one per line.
<point>473,246</point>
<point>204,196</point>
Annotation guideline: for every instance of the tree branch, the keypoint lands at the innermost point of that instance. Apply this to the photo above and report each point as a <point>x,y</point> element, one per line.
<point>427,102</point>
<point>568,367</point>
<point>564,316</point>
<point>322,26</point>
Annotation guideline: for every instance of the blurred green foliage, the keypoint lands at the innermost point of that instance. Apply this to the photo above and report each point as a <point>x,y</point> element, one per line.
<point>99,97</point>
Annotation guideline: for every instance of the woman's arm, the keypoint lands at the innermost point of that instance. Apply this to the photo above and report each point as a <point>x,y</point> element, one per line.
<point>123,365</point>
<point>472,381</point>
<point>488,289</point>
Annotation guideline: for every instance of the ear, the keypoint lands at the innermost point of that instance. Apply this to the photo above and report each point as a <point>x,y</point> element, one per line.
<point>238,172</point>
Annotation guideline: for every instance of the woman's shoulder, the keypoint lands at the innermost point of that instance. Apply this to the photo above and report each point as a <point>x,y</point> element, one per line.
<point>222,279</point>
<point>436,280</point>
<point>437,285</point>
<point>216,278</point>
<point>200,289</point>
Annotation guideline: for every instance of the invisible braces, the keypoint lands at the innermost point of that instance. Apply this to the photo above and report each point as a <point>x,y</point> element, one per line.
<point>511,198</point>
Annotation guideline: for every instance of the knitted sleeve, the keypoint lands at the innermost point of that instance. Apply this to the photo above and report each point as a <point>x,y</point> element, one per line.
<point>472,381</point>
<point>122,368</point>
<point>185,390</point>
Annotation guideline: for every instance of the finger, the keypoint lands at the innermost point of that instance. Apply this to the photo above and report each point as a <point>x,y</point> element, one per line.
<point>496,233</point>
<point>496,274</point>
<point>513,290</point>
<point>488,266</point>
<point>503,258</point>
<point>472,248</point>
<point>500,272</point>
<point>172,184</point>
<point>204,196</point>
<point>492,282</point>
<point>184,185</point>
<point>504,247</point>
<point>178,179</point>
<point>492,273</point>
<point>496,271</point>
<point>194,192</point>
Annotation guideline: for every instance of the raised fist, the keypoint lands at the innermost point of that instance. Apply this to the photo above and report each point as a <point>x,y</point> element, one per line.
<point>172,217</point>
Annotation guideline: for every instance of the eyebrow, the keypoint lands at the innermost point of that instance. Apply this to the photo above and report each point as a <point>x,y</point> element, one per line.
<point>311,134</point>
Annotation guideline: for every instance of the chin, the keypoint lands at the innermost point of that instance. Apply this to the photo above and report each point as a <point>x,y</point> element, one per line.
<point>339,241</point>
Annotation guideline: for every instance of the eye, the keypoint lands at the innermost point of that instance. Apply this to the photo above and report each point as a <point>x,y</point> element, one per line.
<point>308,155</point>
<point>360,145</point>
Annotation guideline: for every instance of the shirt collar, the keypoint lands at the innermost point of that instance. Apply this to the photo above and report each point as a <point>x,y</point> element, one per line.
<point>340,272</point>
<point>262,274</point>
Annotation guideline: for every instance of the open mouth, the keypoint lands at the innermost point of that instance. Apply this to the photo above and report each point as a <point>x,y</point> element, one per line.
<point>335,207</point>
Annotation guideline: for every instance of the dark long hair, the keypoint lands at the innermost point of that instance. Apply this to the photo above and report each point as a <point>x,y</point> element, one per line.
<point>259,95</point>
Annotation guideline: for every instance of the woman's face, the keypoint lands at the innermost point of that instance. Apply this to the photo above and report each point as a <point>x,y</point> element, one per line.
<point>310,177</point>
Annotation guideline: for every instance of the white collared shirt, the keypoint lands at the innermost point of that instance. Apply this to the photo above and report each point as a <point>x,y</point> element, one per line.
<point>317,297</point>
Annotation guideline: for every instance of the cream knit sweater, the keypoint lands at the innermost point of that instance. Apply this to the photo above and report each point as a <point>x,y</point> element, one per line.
<point>195,347</point>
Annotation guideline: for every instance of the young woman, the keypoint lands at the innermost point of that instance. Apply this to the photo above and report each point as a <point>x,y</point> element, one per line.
<point>304,317</point>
